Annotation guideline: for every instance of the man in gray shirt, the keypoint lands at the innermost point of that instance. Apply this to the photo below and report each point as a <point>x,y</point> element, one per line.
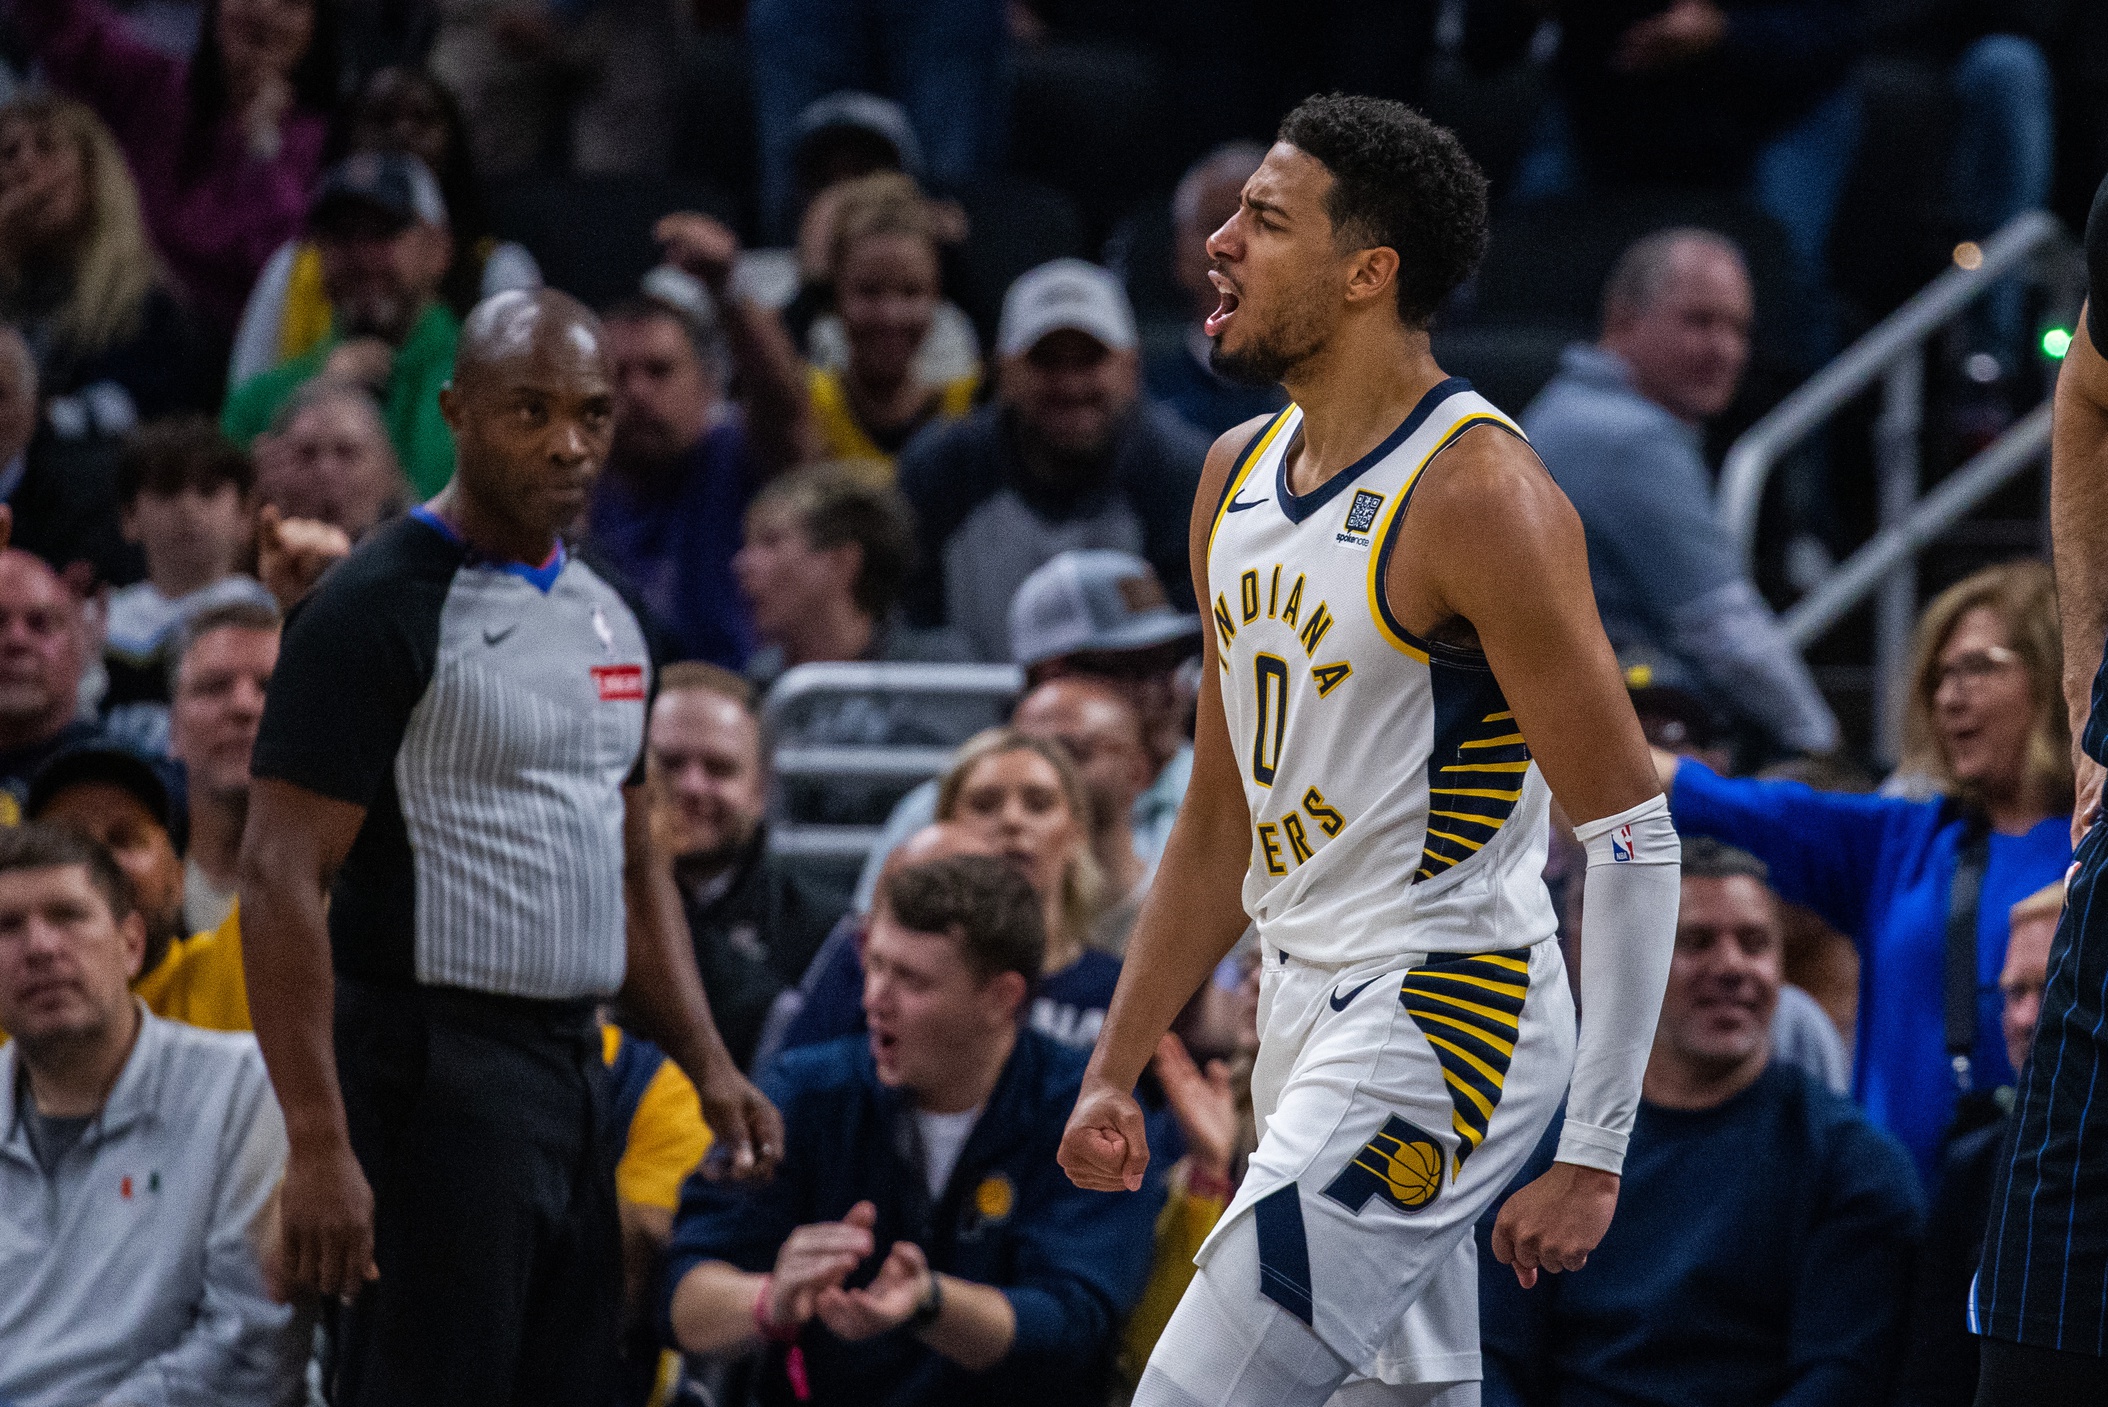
<point>1621,429</point>
<point>138,1164</point>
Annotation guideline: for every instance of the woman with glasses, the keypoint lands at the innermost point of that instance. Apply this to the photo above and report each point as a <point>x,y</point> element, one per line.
<point>1910,879</point>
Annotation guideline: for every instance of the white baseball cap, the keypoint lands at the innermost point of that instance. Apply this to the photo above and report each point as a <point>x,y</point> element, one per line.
<point>1093,599</point>
<point>1070,295</point>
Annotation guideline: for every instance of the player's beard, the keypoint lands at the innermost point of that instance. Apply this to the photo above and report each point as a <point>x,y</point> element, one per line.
<point>1268,359</point>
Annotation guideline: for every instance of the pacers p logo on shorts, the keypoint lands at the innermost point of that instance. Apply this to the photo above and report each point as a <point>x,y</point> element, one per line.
<point>1402,1164</point>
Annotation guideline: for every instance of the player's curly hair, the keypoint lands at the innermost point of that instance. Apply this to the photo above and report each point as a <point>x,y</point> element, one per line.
<point>1399,181</point>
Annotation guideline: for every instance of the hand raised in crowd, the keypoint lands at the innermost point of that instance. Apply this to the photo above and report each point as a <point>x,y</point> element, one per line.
<point>1687,30</point>
<point>889,1301</point>
<point>1555,1222</point>
<point>1204,1104</point>
<point>1104,1148</point>
<point>293,553</point>
<point>699,245</point>
<point>747,1128</point>
<point>325,1222</point>
<point>814,1259</point>
<point>363,361</point>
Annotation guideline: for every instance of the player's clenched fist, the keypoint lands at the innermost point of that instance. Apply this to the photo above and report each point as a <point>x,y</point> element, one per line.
<point>1554,1223</point>
<point>1104,1149</point>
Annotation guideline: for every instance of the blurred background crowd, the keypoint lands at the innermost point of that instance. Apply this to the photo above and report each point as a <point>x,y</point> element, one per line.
<point>903,302</point>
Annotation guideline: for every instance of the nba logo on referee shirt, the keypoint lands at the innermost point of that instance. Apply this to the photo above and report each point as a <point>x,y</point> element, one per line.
<point>619,683</point>
<point>1621,843</point>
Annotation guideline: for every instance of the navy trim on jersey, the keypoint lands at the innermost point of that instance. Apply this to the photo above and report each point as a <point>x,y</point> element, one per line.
<point>1229,485</point>
<point>1299,507</point>
<point>1284,1254</point>
<point>1452,653</point>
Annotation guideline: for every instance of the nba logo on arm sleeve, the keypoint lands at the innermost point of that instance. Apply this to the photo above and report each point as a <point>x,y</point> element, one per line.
<point>1621,843</point>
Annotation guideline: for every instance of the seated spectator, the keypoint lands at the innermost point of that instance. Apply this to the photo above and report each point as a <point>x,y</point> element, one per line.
<point>139,1168</point>
<point>1762,1249</point>
<point>325,477</point>
<point>883,271</point>
<point>402,110</point>
<point>756,925</point>
<point>79,276</point>
<point>132,807</point>
<point>1621,429</point>
<point>61,493</point>
<point>185,495</point>
<point>826,551</point>
<point>223,663</point>
<point>1100,616</point>
<point>1986,719</point>
<point>1941,1363</point>
<point>43,653</point>
<point>956,1264</point>
<point>684,467</point>
<point>1021,798</point>
<point>1070,454</point>
<point>1100,731</point>
<point>655,1117</point>
<point>224,146</point>
<point>381,227</point>
<point>1184,377</point>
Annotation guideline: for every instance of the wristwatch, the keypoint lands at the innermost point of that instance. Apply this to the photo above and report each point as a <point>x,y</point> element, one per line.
<point>931,1307</point>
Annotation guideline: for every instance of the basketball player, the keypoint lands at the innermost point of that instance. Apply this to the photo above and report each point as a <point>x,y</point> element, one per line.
<point>2041,1294</point>
<point>1404,664</point>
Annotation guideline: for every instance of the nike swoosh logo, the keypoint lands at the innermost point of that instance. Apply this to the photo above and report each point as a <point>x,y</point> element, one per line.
<point>498,637</point>
<point>1238,505</point>
<point>1339,1003</point>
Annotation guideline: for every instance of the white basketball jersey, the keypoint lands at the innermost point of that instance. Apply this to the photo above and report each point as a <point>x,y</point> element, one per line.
<point>1394,804</point>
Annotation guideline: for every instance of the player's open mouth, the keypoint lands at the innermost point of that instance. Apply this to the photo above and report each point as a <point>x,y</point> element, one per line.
<point>1225,309</point>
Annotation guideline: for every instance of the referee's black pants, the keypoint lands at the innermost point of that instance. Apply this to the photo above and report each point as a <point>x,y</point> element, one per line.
<point>477,1120</point>
<point>2025,1375</point>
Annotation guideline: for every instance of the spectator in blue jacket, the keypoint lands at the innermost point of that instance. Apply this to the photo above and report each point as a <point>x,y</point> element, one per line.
<point>1622,427</point>
<point>1762,1250</point>
<point>919,1245</point>
<point>1986,728</point>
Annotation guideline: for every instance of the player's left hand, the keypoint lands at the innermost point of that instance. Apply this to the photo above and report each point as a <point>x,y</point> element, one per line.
<point>1104,1149</point>
<point>1554,1223</point>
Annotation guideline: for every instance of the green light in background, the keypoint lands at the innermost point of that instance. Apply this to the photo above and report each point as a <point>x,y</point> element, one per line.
<point>2055,343</point>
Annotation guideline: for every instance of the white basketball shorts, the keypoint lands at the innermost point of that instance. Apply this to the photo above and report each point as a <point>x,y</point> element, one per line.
<point>1395,1101</point>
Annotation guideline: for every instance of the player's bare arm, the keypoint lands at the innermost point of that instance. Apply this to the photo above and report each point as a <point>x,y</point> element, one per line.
<point>291,850</point>
<point>1492,555</point>
<point>2078,524</point>
<point>1193,915</point>
<point>663,991</point>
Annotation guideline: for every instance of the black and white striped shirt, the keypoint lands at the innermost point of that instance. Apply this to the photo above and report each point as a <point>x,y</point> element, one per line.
<point>487,716</point>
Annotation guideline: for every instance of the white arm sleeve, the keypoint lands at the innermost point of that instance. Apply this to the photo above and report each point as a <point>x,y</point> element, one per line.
<point>1628,933</point>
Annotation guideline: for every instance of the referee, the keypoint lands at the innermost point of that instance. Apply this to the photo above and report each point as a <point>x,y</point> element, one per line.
<point>2041,1294</point>
<point>447,866</point>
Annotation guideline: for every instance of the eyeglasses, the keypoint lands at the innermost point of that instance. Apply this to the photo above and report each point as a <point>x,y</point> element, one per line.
<point>1974,667</point>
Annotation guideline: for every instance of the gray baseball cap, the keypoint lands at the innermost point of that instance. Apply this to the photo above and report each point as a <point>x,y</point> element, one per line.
<point>1065,295</point>
<point>1092,600</point>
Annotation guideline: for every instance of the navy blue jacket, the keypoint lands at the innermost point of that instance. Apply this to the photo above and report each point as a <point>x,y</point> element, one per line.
<point>1760,1257</point>
<point>1072,1263</point>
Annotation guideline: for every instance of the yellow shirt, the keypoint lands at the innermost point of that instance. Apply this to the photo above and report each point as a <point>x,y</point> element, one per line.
<point>1185,1222</point>
<point>199,980</point>
<point>665,1138</point>
<point>842,435</point>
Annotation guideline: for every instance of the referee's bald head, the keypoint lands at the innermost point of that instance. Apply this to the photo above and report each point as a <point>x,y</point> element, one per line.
<point>527,325</point>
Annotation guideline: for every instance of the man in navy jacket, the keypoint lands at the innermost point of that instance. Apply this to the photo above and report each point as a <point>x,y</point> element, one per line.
<point>919,1244</point>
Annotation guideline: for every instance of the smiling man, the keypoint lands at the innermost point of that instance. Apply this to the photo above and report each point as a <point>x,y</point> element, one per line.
<point>447,867</point>
<point>920,1248</point>
<point>1763,1246</point>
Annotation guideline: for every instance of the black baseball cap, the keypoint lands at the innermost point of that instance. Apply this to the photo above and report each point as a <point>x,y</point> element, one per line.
<point>156,784</point>
<point>397,187</point>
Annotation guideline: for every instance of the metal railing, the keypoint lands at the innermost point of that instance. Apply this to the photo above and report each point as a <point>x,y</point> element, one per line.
<point>1892,354</point>
<point>812,685</point>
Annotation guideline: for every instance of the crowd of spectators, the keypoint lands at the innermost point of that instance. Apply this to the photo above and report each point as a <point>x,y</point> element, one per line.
<point>235,270</point>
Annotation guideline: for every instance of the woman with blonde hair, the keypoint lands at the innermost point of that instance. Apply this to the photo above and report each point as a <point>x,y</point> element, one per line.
<point>1923,887</point>
<point>1023,797</point>
<point>78,274</point>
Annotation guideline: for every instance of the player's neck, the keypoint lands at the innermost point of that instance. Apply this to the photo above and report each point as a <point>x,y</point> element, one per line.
<point>1353,394</point>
